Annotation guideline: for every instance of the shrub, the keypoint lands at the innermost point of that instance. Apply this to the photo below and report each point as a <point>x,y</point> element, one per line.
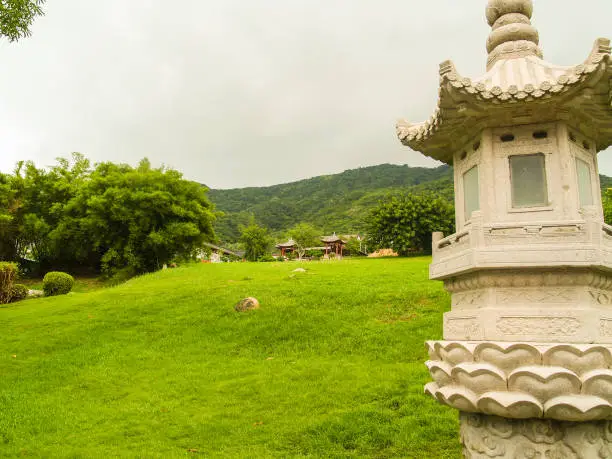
<point>266,259</point>
<point>19,292</point>
<point>57,283</point>
<point>8,274</point>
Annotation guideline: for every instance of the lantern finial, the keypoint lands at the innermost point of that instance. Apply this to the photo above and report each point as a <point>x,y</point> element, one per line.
<point>513,35</point>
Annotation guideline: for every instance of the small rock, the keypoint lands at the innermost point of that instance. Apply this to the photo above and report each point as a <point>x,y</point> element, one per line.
<point>247,304</point>
<point>299,270</point>
<point>35,293</point>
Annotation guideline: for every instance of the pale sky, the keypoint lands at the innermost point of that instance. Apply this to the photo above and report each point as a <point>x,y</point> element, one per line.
<point>238,93</point>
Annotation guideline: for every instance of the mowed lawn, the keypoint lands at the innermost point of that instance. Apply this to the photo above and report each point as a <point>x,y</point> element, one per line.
<point>332,365</point>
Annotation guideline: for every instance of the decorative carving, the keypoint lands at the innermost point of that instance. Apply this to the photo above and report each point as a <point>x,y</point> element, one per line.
<point>530,278</point>
<point>535,295</point>
<point>495,437</point>
<point>538,326</point>
<point>522,380</point>
<point>603,298</point>
<point>605,327</point>
<point>540,82</point>
<point>464,327</point>
<point>468,299</point>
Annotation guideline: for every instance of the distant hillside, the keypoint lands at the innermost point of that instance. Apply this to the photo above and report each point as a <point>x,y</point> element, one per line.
<point>330,202</point>
<point>338,202</point>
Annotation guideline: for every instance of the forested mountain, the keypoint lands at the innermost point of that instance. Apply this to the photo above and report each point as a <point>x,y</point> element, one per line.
<point>336,202</point>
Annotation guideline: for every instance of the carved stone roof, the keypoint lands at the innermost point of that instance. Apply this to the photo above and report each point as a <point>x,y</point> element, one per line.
<point>519,85</point>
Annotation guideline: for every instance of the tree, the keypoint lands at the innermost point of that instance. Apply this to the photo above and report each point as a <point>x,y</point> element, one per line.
<point>133,218</point>
<point>355,247</point>
<point>255,239</point>
<point>405,223</point>
<point>607,206</point>
<point>304,235</point>
<point>16,17</point>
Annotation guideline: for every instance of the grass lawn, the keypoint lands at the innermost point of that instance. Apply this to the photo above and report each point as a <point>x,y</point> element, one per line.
<point>81,284</point>
<point>162,366</point>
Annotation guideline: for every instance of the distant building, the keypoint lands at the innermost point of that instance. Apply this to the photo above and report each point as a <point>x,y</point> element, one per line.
<point>287,247</point>
<point>333,244</point>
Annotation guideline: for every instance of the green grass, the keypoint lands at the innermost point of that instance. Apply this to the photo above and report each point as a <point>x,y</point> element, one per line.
<point>81,284</point>
<point>162,366</point>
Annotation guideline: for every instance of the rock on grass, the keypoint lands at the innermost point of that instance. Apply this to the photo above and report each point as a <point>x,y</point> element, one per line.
<point>247,304</point>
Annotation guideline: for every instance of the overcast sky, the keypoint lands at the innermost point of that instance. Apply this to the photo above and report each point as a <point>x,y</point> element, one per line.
<point>240,93</point>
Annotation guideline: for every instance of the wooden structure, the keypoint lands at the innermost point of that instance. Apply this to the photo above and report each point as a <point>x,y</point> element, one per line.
<point>333,244</point>
<point>287,247</point>
<point>217,252</point>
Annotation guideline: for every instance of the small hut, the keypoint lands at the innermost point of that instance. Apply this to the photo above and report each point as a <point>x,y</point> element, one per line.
<point>287,247</point>
<point>333,244</point>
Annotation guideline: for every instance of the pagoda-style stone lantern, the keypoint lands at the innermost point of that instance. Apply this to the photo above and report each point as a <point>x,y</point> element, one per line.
<point>527,350</point>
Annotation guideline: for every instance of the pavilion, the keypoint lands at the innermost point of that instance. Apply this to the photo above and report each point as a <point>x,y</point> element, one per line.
<point>287,247</point>
<point>333,244</point>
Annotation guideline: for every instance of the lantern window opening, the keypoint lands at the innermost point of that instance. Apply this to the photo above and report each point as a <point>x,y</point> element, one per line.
<point>529,186</point>
<point>585,183</point>
<point>540,135</point>
<point>507,138</point>
<point>471,192</point>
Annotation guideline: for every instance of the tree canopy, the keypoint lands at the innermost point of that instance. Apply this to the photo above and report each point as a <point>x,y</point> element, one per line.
<point>16,17</point>
<point>256,241</point>
<point>405,223</point>
<point>108,218</point>
<point>304,235</point>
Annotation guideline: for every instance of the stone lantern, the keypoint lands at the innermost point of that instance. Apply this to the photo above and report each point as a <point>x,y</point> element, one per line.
<point>527,350</point>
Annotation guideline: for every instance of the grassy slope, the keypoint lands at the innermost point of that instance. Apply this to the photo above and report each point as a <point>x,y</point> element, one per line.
<point>330,366</point>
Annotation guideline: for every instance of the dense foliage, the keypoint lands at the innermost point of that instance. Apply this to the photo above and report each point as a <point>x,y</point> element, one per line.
<point>339,202</point>
<point>111,217</point>
<point>16,17</point>
<point>607,205</point>
<point>8,274</point>
<point>256,241</point>
<point>405,223</point>
<point>19,292</point>
<point>304,235</point>
<point>57,283</point>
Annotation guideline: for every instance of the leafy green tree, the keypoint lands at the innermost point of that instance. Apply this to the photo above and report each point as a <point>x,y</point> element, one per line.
<point>304,235</point>
<point>405,223</point>
<point>133,218</point>
<point>256,241</point>
<point>16,17</point>
<point>355,246</point>
<point>607,205</point>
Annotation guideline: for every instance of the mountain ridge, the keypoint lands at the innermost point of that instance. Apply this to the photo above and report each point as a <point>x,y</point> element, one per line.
<point>332,202</point>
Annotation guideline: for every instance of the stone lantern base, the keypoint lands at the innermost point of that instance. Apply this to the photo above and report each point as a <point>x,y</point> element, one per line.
<point>485,436</point>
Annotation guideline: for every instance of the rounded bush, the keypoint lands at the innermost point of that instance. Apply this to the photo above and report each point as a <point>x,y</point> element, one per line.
<point>57,283</point>
<point>19,292</point>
